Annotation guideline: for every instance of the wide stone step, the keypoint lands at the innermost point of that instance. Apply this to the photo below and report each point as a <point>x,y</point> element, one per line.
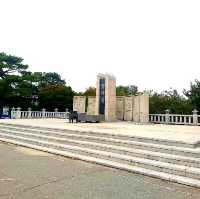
<point>107,135</point>
<point>134,161</point>
<point>135,169</point>
<point>79,140</point>
<point>169,158</point>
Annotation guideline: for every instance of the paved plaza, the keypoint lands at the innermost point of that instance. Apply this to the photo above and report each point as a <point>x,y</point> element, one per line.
<point>183,133</point>
<point>26,173</point>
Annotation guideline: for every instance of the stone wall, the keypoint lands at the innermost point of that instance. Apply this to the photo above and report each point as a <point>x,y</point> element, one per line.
<point>144,108</point>
<point>132,108</point>
<point>136,108</point>
<point>79,103</point>
<point>128,108</point>
<point>91,105</point>
<point>120,108</point>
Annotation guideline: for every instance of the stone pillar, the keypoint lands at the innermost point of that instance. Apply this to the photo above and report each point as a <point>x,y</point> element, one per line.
<point>43,112</point>
<point>13,113</point>
<point>18,113</point>
<point>136,108</point>
<point>167,111</point>
<point>91,105</point>
<point>144,108</point>
<point>79,104</point>
<point>106,97</point>
<point>120,108</point>
<point>195,117</point>
<point>128,108</point>
<point>29,112</point>
<point>66,113</point>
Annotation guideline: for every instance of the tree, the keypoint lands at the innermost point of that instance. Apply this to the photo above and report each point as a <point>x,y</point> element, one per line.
<point>56,96</point>
<point>169,99</point>
<point>126,90</point>
<point>193,94</point>
<point>91,91</point>
<point>10,64</point>
<point>51,78</point>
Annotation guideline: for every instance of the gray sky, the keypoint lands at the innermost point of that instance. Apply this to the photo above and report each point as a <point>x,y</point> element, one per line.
<point>153,44</point>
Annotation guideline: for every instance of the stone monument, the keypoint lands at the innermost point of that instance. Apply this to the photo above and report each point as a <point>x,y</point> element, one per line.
<point>79,104</point>
<point>127,108</point>
<point>106,96</point>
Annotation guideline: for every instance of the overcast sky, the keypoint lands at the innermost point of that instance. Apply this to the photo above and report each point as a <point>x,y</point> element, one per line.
<point>154,44</point>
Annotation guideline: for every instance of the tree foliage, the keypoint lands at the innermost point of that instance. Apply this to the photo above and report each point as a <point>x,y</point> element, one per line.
<point>10,64</point>
<point>193,94</point>
<point>91,91</point>
<point>56,96</point>
<point>126,90</point>
<point>171,100</point>
<point>22,88</point>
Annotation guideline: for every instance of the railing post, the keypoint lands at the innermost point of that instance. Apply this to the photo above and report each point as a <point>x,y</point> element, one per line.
<point>66,113</point>
<point>18,113</point>
<point>13,113</point>
<point>167,116</point>
<point>56,112</point>
<point>195,116</point>
<point>29,112</point>
<point>43,112</point>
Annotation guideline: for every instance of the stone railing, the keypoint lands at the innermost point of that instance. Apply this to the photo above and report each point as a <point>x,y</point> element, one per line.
<point>168,118</point>
<point>18,114</point>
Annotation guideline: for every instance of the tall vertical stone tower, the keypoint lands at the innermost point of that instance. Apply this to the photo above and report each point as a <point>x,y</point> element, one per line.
<point>106,96</point>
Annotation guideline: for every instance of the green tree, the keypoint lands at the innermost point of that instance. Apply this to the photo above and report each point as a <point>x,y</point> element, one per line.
<point>193,94</point>
<point>56,96</point>
<point>10,64</point>
<point>169,99</point>
<point>126,90</point>
<point>91,91</point>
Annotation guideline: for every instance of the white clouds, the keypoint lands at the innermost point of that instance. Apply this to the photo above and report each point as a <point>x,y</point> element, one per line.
<point>153,44</point>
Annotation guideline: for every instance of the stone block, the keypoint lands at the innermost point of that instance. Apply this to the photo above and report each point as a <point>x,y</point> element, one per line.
<point>120,108</point>
<point>128,108</point>
<point>79,103</point>
<point>91,105</point>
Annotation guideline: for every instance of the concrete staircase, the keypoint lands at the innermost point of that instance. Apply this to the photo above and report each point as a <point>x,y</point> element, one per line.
<point>174,161</point>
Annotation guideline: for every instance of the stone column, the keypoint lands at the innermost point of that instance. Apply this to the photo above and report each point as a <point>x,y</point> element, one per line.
<point>136,108</point>
<point>110,96</point>
<point>91,105</point>
<point>120,108</point>
<point>144,108</point>
<point>18,113</point>
<point>195,117</point>
<point>29,112</point>
<point>66,113</point>
<point>13,113</point>
<point>167,116</point>
<point>43,112</point>
<point>128,108</point>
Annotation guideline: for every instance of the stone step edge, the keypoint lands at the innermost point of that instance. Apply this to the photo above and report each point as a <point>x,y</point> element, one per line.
<point>169,177</point>
<point>158,146</point>
<point>119,148</point>
<point>191,145</point>
<point>80,135</point>
<point>153,163</point>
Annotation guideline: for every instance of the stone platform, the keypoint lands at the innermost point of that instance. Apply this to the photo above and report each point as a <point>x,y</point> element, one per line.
<point>176,133</point>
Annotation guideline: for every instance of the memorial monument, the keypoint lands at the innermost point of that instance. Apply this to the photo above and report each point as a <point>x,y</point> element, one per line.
<point>112,107</point>
<point>106,96</point>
